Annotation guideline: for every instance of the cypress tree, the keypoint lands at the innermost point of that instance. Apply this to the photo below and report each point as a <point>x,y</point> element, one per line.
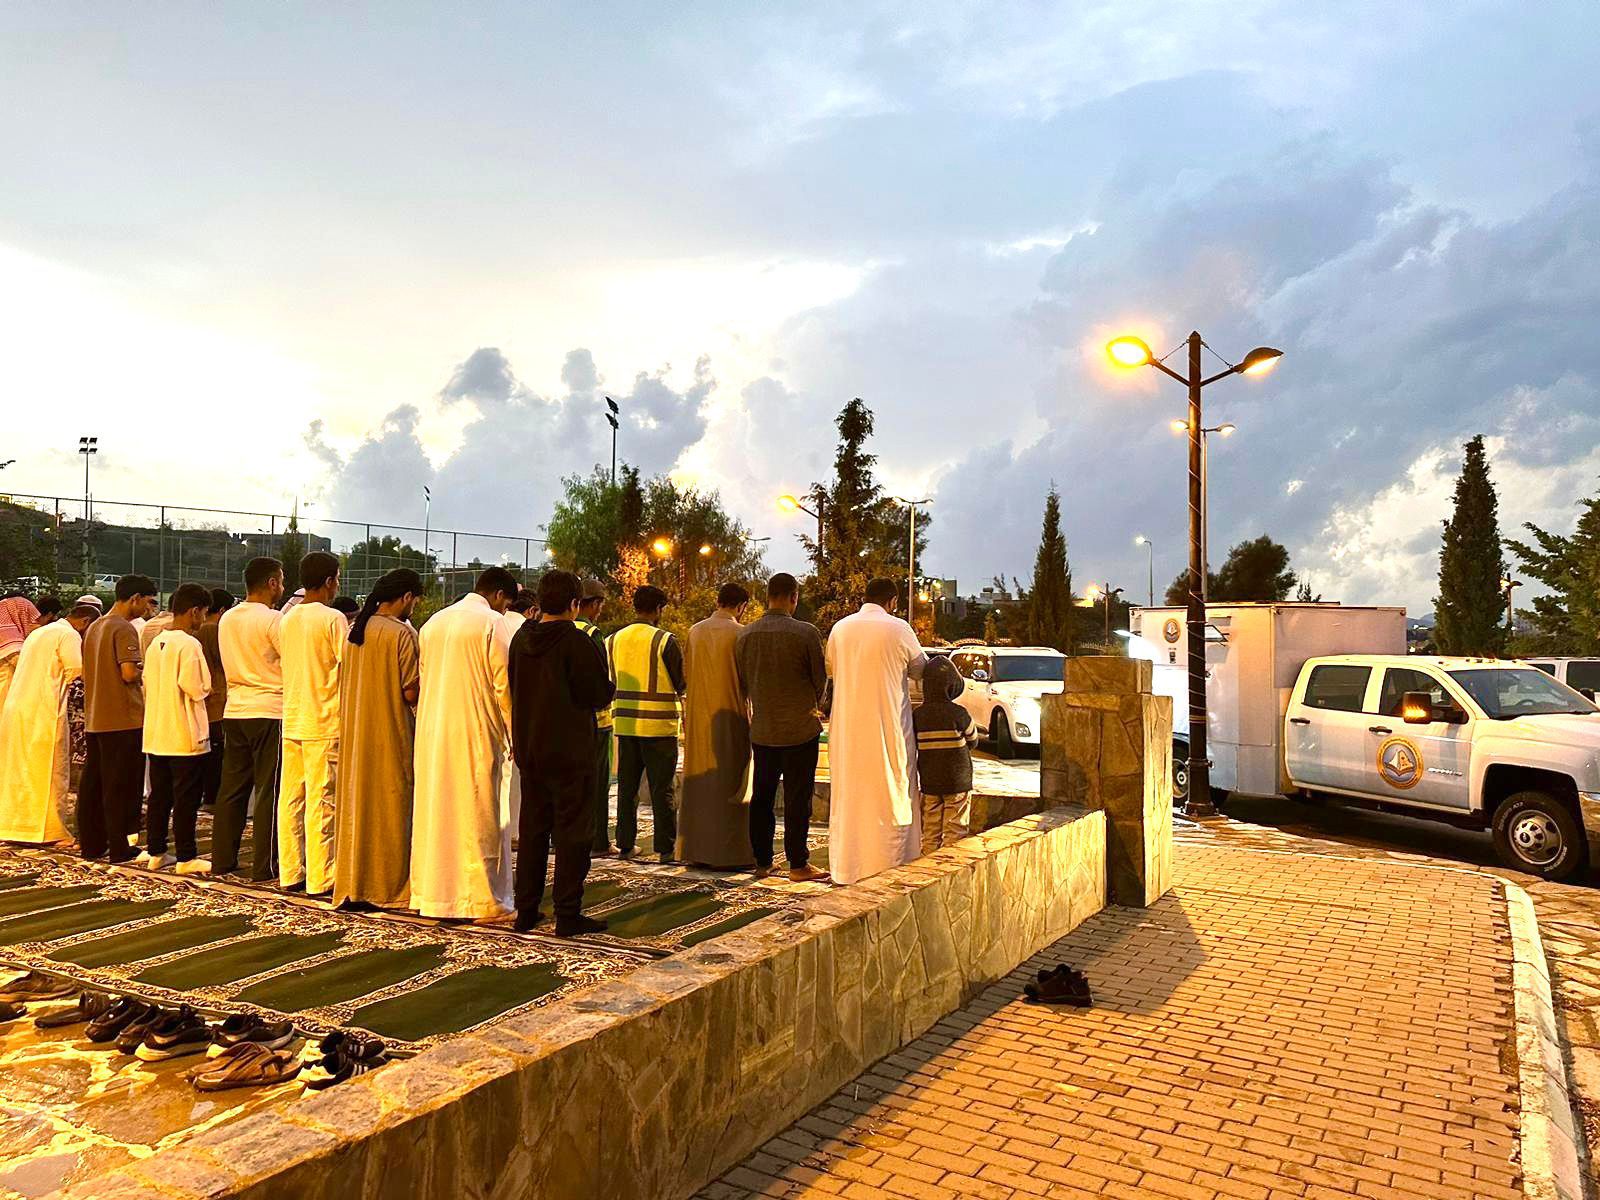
<point>1050,616</point>
<point>1470,608</point>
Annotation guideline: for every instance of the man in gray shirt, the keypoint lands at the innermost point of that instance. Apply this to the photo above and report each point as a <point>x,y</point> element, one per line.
<point>783,671</point>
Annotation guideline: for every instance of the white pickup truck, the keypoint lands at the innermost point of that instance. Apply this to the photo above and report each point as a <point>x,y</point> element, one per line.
<point>1482,743</point>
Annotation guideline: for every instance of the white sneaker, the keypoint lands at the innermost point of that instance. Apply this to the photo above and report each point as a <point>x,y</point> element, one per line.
<point>142,859</point>
<point>194,866</point>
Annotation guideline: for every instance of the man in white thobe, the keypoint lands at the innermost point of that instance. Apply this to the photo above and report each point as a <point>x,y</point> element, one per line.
<point>872,818</point>
<point>34,744</point>
<point>461,862</point>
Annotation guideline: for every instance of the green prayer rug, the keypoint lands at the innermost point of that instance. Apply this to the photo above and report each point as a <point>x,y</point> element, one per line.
<point>7,882</point>
<point>657,914</point>
<point>737,921</point>
<point>27,900</point>
<point>457,1002</point>
<point>77,918</point>
<point>237,960</point>
<point>150,941</point>
<point>341,979</point>
<point>594,893</point>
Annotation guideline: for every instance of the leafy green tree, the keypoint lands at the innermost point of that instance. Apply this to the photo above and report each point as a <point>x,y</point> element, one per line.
<point>28,544</point>
<point>1050,609</point>
<point>863,531</point>
<point>1567,620</point>
<point>1254,570</point>
<point>373,557</point>
<point>586,529</point>
<point>290,553</point>
<point>1469,611</point>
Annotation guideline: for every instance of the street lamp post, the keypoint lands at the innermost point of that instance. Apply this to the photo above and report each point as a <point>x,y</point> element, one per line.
<point>792,504</point>
<point>1104,592</point>
<point>1149,546</point>
<point>911,553</point>
<point>1226,430</point>
<point>1508,586</point>
<point>1133,352</point>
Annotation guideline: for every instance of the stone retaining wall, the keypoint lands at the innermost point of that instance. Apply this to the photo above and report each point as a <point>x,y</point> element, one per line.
<point>989,809</point>
<point>650,1085</point>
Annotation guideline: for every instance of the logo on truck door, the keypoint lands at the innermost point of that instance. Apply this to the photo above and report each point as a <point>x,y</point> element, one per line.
<point>1400,763</point>
<point>1171,629</point>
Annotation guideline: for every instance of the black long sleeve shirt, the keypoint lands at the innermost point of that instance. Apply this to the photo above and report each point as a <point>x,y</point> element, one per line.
<point>559,679</point>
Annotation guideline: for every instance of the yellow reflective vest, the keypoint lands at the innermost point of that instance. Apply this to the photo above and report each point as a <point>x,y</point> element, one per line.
<point>602,719</point>
<point>646,703</point>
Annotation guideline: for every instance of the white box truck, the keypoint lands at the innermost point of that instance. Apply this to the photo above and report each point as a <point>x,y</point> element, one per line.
<point>1322,699</point>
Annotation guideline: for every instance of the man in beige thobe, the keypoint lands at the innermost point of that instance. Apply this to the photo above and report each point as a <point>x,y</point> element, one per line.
<point>714,816</point>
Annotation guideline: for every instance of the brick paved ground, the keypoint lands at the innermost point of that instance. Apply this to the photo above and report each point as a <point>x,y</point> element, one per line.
<point>1330,1029</point>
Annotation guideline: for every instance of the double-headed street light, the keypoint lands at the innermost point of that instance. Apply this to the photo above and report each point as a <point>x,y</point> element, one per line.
<point>1133,352</point>
<point>1097,592</point>
<point>612,412</point>
<point>791,504</point>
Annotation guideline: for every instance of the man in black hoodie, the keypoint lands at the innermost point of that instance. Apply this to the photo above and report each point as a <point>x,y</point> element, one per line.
<point>559,680</point>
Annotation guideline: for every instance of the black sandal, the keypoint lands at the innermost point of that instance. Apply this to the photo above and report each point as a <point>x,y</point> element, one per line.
<point>1062,985</point>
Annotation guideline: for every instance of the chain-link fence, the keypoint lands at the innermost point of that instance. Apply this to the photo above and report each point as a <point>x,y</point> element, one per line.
<point>67,542</point>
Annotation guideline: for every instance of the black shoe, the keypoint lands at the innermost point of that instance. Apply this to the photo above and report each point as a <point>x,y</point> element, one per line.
<point>1060,989</point>
<point>337,1069</point>
<point>177,1034</point>
<point>578,926</point>
<point>126,857</point>
<point>89,1006</point>
<point>296,887</point>
<point>525,922</point>
<point>132,1035</point>
<point>123,1011</point>
<point>668,861</point>
<point>10,1011</point>
<point>248,1027</point>
<point>35,986</point>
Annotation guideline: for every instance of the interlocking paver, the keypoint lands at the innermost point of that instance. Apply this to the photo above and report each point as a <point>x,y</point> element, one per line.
<point>1273,1028</point>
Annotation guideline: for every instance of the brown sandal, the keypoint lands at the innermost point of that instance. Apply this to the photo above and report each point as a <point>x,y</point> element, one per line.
<point>249,1064</point>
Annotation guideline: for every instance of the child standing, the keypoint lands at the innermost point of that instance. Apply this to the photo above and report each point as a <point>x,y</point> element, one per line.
<point>945,737</point>
<point>177,732</point>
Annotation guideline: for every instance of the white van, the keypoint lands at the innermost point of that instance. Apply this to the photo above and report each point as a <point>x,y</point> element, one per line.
<point>1580,674</point>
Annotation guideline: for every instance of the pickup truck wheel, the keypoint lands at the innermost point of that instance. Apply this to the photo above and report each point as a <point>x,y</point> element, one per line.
<point>1000,731</point>
<point>1180,779</point>
<point>1534,832</point>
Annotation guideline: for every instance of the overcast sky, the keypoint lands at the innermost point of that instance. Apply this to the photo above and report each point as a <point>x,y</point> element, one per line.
<point>337,252</point>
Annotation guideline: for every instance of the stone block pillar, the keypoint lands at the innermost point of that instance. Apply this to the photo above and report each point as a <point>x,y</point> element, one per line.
<point>1106,743</point>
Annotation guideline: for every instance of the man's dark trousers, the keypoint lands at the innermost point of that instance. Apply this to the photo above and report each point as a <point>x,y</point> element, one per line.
<point>797,767</point>
<point>110,792</point>
<point>250,753</point>
<point>655,759</point>
<point>211,775</point>
<point>175,783</point>
<point>556,807</point>
<point>601,843</point>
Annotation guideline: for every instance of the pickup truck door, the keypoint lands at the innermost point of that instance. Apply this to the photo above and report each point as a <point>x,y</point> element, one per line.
<point>1418,764</point>
<point>1326,730</point>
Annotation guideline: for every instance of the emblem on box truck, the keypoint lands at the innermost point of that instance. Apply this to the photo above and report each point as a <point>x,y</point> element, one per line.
<point>1171,629</point>
<point>1400,763</point>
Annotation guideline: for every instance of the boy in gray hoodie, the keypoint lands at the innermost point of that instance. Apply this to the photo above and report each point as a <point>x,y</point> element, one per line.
<point>945,737</point>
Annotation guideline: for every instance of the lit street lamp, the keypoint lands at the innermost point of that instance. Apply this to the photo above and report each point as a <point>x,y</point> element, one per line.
<point>1098,592</point>
<point>911,553</point>
<point>792,504</point>
<point>1132,352</point>
<point>1149,546</point>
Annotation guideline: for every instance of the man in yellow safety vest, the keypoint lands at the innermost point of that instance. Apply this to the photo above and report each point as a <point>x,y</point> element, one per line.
<point>589,605</point>
<point>647,665</point>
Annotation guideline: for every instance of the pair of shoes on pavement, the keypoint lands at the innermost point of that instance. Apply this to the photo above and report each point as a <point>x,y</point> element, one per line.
<point>1060,985</point>
<point>341,1056</point>
<point>36,986</point>
<point>250,1029</point>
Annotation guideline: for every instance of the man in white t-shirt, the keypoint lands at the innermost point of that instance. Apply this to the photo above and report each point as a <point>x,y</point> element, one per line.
<point>247,639</point>
<point>176,733</point>
<point>312,637</point>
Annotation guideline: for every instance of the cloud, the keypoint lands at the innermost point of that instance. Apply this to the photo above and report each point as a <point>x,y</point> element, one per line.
<point>504,475</point>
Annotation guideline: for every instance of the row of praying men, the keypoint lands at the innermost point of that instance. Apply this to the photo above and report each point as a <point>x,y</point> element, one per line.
<point>383,768</point>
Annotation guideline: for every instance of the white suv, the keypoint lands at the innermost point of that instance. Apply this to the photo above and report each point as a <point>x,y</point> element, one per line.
<point>1003,685</point>
<point>1580,674</point>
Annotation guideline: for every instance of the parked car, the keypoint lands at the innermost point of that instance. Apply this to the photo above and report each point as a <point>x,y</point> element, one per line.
<point>1003,687</point>
<point>1581,674</point>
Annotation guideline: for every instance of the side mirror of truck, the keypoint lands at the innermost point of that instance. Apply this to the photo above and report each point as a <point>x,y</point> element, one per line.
<point>1416,708</point>
<point>980,675</point>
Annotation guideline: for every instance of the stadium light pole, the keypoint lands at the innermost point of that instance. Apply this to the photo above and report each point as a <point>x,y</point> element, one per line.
<point>611,419</point>
<point>1130,352</point>
<point>88,447</point>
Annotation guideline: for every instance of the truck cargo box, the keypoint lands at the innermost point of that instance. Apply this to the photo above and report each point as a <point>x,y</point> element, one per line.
<point>1253,656</point>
